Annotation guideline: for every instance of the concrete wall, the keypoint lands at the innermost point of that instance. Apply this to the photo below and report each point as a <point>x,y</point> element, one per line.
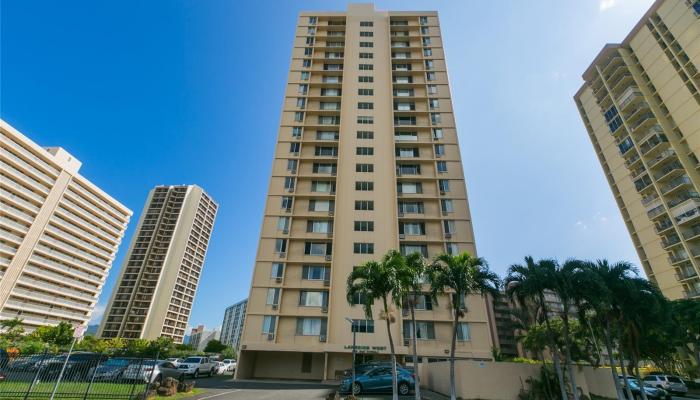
<point>503,380</point>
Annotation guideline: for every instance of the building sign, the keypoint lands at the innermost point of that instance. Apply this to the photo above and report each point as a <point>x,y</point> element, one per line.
<point>366,349</point>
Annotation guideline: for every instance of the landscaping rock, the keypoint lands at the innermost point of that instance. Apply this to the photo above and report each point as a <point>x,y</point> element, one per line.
<point>151,394</point>
<point>168,387</point>
<point>185,387</point>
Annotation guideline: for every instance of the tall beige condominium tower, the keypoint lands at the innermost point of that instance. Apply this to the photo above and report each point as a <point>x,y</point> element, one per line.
<point>58,234</point>
<point>158,281</point>
<point>641,106</point>
<point>367,160</point>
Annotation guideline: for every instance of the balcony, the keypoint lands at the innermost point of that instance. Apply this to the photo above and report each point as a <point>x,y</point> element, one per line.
<point>688,216</point>
<point>693,233</point>
<point>670,241</point>
<point>675,184</point>
<point>663,226</point>
<point>656,211</point>
<point>628,96</point>
<point>668,171</point>
<point>664,155</point>
<point>646,117</point>
<point>685,273</point>
<point>692,293</point>
<point>677,258</point>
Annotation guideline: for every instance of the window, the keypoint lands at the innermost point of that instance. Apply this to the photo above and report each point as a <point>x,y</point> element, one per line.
<point>322,168</point>
<point>365,119</point>
<point>280,245</point>
<point>365,92</point>
<point>403,120</point>
<point>423,302</point>
<point>363,248</point>
<point>303,88</point>
<point>425,330</point>
<point>283,224</point>
<point>364,186</point>
<point>328,120</point>
<point>362,326</point>
<point>296,132</point>
<point>435,118</point>
<point>358,298</point>
<point>364,226</point>
<point>321,205</point>
<point>432,89</point>
<point>439,150</point>
<point>301,102</point>
<point>330,92</point>
<point>366,34</point>
<point>277,270</point>
<point>326,105</point>
<point>408,249</point>
<point>442,166</point>
<point>306,363</point>
<point>308,298</point>
<point>268,325</point>
<point>364,205</point>
<point>403,92</point>
<point>287,202</point>
<point>327,135</point>
<point>332,67</point>
<point>407,152</point>
<point>446,206</point>
<point>444,185</point>
<point>292,165</point>
<point>306,63</point>
<point>398,106</point>
<point>427,52</point>
<point>434,103</point>
<point>437,133</point>
<point>409,187</point>
<point>364,151</point>
<point>366,23</point>
<point>408,169</point>
<point>412,228</point>
<point>365,135</point>
<point>365,106</point>
<point>311,30</point>
<point>367,55</point>
<point>448,226</point>
<point>365,79</point>
<point>317,248</point>
<point>426,41</point>
<point>289,183</point>
<point>463,332</point>
<point>315,272</point>
<point>323,186</point>
<point>366,67</point>
<point>405,136</point>
<point>312,20</point>
<point>401,55</point>
<point>298,116</point>
<point>326,151</point>
<point>308,51</point>
<point>317,226</point>
<point>308,327</point>
<point>331,79</point>
<point>366,44</point>
<point>273,296</point>
<point>452,248</point>
<point>411,207</point>
<point>305,75</point>
<point>429,64</point>
<point>364,167</point>
<point>403,79</point>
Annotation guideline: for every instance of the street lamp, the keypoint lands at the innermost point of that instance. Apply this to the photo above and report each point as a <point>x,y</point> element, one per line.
<point>354,334</point>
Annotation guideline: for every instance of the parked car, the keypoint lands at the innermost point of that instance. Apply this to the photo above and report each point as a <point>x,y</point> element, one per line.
<point>670,383</point>
<point>364,367</point>
<point>175,361</point>
<point>27,363</point>
<point>78,367</point>
<point>112,369</point>
<point>653,393</point>
<point>378,380</point>
<point>230,364</point>
<point>196,366</point>
<point>220,367</point>
<point>154,370</point>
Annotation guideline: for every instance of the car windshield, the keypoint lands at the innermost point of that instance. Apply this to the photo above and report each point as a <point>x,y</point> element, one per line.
<point>674,379</point>
<point>116,362</point>
<point>192,359</point>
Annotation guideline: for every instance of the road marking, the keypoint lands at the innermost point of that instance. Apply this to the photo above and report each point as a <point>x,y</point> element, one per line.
<point>219,394</point>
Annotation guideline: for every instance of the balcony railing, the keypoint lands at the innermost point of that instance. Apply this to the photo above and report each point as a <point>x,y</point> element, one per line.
<point>686,273</point>
<point>628,96</point>
<point>680,181</point>
<point>688,215</point>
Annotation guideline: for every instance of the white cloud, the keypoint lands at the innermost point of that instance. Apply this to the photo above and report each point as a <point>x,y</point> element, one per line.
<point>580,225</point>
<point>556,75</point>
<point>97,314</point>
<point>604,5</point>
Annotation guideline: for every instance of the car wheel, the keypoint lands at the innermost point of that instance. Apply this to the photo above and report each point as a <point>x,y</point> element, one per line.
<point>157,381</point>
<point>196,374</point>
<point>404,389</point>
<point>181,378</point>
<point>356,388</point>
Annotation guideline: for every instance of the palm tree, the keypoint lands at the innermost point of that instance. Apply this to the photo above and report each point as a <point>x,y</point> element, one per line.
<point>411,276</point>
<point>528,283</point>
<point>460,275</point>
<point>378,281</point>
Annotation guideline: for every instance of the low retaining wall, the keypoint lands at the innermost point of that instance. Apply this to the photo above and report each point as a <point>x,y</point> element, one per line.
<point>504,380</point>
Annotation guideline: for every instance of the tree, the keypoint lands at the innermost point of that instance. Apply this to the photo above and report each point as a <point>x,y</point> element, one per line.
<point>460,276</point>
<point>59,335</point>
<point>13,329</point>
<point>686,314</point>
<point>378,281</point>
<point>411,274</point>
<point>526,284</point>
<point>214,346</point>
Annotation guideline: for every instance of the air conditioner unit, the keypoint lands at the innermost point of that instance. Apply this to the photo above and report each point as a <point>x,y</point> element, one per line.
<point>333,173</point>
<point>274,306</point>
<point>402,236</point>
<point>270,336</point>
<point>282,254</point>
<point>406,342</point>
<point>400,214</point>
<point>329,234</point>
<point>448,235</point>
<point>324,309</point>
<point>291,189</point>
<point>442,192</point>
<point>444,213</point>
<point>438,155</point>
<point>328,257</point>
<point>322,338</point>
<point>330,213</point>
<point>404,312</point>
<point>285,231</point>
<point>326,282</point>
<point>278,279</point>
<point>288,210</point>
<point>292,171</point>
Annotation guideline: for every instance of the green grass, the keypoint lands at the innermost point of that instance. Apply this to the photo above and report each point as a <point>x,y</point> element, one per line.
<point>194,391</point>
<point>16,389</point>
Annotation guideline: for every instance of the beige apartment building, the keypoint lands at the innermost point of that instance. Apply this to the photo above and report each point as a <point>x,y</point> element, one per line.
<point>641,106</point>
<point>59,234</point>
<point>367,160</point>
<point>158,281</point>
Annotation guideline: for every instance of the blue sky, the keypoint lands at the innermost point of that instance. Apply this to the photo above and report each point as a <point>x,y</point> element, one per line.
<point>175,92</point>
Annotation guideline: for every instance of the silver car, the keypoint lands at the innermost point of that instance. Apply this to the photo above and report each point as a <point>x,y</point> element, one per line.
<point>156,371</point>
<point>669,383</point>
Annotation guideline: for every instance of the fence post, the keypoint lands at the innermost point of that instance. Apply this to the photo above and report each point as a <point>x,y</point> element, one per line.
<point>63,369</point>
<point>150,376</point>
<point>36,375</point>
<point>133,387</point>
<point>92,379</point>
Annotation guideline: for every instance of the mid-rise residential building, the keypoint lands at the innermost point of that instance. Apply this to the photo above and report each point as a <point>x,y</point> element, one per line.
<point>367,160</point>
<point>59,234</point>
<point>505,327</point>
<point>232,327</point>
<point>200,337</point>
<point>640,103</point>
<point>158,281</point>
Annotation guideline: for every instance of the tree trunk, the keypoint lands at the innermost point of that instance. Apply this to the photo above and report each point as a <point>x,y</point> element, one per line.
<point>394,391</point>
<point>639,377</point>
<point>415,351</point>
<point>567,355</point>
<point>453,389</point>
<point>554,350</point>
<point>613,368</point>
<point>547,388</point>
<point>696,355</point>
<point>628,389</point>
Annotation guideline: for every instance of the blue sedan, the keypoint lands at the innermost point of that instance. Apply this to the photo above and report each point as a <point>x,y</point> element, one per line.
<point>378,380</point>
